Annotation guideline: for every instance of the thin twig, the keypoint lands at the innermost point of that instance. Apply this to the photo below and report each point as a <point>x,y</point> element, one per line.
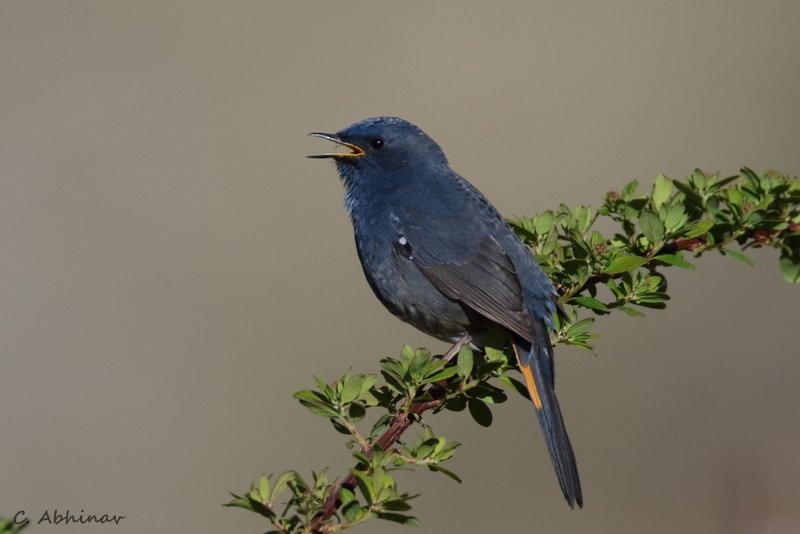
<point>400,423</point>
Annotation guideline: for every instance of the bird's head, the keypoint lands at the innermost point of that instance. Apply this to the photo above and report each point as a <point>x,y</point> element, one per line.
<point>380,147</point>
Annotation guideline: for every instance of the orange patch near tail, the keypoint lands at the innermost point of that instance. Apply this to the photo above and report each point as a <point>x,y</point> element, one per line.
<point>529,381</point>
<point>528,374</point>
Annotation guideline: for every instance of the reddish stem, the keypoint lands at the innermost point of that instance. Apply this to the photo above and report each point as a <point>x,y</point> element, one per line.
<point>400,423</point>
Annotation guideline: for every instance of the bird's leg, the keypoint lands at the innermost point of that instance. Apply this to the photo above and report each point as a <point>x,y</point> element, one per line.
<point>452,351</point>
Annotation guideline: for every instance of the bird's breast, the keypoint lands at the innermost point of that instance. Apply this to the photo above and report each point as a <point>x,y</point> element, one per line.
<point>387,259</point>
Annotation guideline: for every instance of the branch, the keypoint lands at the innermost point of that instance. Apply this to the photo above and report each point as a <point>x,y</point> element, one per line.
<point>400,424</point>
<point>593,274</point>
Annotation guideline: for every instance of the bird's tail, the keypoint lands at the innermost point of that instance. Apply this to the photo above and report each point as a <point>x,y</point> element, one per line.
<point>536,363</point>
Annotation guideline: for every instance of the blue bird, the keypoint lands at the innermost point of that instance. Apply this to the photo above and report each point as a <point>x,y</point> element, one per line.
<point>440,257</point>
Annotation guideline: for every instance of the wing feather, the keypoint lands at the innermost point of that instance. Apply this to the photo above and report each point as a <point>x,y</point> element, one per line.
<point>486,281</point>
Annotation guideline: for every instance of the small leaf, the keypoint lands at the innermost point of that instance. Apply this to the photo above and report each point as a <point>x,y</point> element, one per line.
<point>631,311</point>
<point>381,425</point>
<point>315,403</point>
<point>480,412</point>
<point>488,369</point>
<point>465,361</point>
<point>516,385</point>
<point>456,404</point>
<point>263,488</point>
<point>622,264</point>
<point>737,256</point>
<point>629,190</point>
<point>550,243</point>
<point>364,483</point>
<point>440,469</point>
<point>673,259</point>
<point>352,512</point>
<point>591,303</point>
<point>346,495</point>
<point>652,227</point>
<point>790,269</point>
<point>396,505</point>
<point>661,190</point>
<point>699,228</point>
<point>368,382</point>
<point>281,482</point>
<point>674,217</point>
<point>399,518</point>
<point>543,222</point>
<point>394,382</point>
<point>493,354</point>
<point>580,327</point>
<point>356,412</point>
<point>418,361</point>
<point>351,388</point>
<point>719,184</point>
<point>438,376</point>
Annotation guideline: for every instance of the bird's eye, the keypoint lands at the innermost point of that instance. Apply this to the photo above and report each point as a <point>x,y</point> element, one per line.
<point>377,143</point>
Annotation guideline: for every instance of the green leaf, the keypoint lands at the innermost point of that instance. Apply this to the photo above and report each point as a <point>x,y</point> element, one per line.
<point>440,469</point>
<point>418,361</point>
<point>465,362</point>
<point>550,243</point>
<point>425,449</point>
<point>369,381</point>
<point>356,411</point>
<point>399,518</point>
<point>309,395</point>
<point>674,259</point>
<point>662,188</point>
<point>622,264</point>
<point>438,376</point>
<point>487,393</point>
<point>516,385</point>
<point>263,488</point>
<point>381,425</point>
<point>543,222</point>
<point>591,303</point>
<point>699,228</point>
<point>407,351</point>
<point>364,483</point>
<point>580,327</point>
<point>674,217</point>
<point>353,512</point>
<point>281,483</point>
<point>493,354</point>
<point>396,505</point>
<point>790,269</point>
<point>351,388</point>
<point>737,256</point>
<point>652,227</point>
<point>488,369</point>
<point>583,218</point>
<point>629,190</point>
<point>480,412</point>
<point>316,403</point>
<point>631,311</point>
<point>456,404</point>
<point>346,495</point>
<point>719,184</point>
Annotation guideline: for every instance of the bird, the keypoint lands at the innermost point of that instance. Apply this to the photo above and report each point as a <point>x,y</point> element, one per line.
<point>439,256</point>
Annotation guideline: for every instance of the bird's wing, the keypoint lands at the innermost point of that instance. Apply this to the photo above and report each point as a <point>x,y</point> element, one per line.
<point>480,275</point>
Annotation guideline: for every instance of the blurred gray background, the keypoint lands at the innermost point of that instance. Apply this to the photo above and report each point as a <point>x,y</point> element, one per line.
<point>173,268</point>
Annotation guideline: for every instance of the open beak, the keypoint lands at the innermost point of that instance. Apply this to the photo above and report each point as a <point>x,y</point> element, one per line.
<point>355,151</point>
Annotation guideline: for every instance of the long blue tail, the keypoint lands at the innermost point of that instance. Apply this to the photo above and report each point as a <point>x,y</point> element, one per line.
<point>536,363</point>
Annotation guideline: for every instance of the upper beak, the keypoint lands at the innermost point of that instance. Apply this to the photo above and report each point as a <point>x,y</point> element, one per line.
<point>356,151</point>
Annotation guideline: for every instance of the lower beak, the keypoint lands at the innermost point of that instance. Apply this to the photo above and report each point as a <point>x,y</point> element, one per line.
<point>356,151</point>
